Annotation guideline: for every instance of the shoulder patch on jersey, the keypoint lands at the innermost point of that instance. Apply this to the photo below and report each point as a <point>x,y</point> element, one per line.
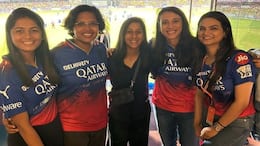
<point>245,71</point>
<point>241,58</point>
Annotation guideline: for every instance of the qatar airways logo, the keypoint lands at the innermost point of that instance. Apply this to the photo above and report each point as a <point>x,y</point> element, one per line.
<point>93,72</point>
<point>172,66</point>
<point>44,87</point>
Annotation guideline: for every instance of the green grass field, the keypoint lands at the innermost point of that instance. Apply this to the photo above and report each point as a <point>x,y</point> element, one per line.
<point>246,32</point>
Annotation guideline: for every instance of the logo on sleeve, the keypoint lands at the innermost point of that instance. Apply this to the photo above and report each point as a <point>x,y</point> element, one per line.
<point>4,93</point>
<point>245,71</point>
<point>241,59</point>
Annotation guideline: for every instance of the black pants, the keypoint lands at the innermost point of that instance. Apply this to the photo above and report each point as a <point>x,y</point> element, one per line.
<point>126,126</point>
<point>51,135</point>
<point>90,138</point>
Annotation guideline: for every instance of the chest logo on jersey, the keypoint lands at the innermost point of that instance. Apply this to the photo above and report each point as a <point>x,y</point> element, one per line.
<point>92,72</point>
<point>43,87</point>
<point>4,93</point>
<point>219,85</point>
<point>172,66</point>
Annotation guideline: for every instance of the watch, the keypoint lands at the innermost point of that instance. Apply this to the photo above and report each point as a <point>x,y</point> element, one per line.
<point>217,127</point>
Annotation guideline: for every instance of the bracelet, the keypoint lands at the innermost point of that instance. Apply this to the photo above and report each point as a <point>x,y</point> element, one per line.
<point>220,124</point>
<point>218,127</point>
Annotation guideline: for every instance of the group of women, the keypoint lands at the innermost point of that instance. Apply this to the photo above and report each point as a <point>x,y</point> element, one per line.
<point>203,85</point>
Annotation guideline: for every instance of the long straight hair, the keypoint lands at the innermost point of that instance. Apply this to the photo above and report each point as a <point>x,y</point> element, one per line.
<point>42,53</point>
<point>226,47</point>
<point>187,51</point>
<point>121,48</point>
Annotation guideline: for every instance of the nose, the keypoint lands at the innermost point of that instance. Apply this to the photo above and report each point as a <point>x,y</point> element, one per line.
<point>27,34</point>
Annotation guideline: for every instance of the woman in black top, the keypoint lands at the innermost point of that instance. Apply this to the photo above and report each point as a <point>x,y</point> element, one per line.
<point>130,122</point>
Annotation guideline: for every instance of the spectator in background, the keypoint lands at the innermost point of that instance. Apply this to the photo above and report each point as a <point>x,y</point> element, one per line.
<point>130,122</point>
<point>28,82</point>
<point>225,84</point>
<point>82,100</point>
<point>176,60</point>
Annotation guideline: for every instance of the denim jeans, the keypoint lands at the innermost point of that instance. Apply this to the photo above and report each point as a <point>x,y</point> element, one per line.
<point>235,134</point>
<point>172,124</point>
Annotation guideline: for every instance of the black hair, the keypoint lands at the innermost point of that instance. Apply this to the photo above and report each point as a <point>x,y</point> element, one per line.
<point>226,46</point>
<point>73,14</point>
<point>42,53</point>
<point>121,48</point>
<point>187,51</point>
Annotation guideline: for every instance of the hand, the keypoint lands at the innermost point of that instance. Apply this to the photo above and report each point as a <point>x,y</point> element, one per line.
<point>257,62</point>
<point>110,51</point>
<point>208,132</point>
<point>96,42</point>
<point>10,126</point>
<point>253,142</point>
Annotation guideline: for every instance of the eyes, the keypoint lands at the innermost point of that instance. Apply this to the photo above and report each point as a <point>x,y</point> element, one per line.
<point>131,32</point>
<point>211,28</point>
<point>85,24</point>
<point>20,31</point>
<point>168,22</point>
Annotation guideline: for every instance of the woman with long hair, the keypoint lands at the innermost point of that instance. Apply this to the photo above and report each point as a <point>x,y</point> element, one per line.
<point>130,122</point>
<point>176,59</point>
<point>225,84</point>
<point>28,82</point>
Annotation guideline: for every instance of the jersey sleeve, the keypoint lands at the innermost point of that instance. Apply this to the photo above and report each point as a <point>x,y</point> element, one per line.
<point>12,102</point>
<point>242,67</point>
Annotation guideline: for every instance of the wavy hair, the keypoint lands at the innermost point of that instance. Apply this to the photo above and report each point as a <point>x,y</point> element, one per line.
<point>73,14</point>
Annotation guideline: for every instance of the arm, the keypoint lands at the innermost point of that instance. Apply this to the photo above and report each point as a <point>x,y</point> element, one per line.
<point>257,62</point>
<point>199,96</point>
<point>26,130</point>
<point>242,98</point>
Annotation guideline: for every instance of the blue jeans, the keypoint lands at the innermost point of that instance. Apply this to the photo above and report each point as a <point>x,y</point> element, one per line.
<point>171,122</point>
<point>235,134</point>
<point>3,136</point>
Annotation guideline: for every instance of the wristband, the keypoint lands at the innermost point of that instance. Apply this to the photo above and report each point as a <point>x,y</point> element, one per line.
<point>220,124</point>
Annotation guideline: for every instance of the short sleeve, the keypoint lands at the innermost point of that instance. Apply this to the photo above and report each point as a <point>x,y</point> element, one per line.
<point>11,99</point>
<point>242,68</point>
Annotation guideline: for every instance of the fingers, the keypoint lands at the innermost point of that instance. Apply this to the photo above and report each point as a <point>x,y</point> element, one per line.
<point>110,51</point>
<point>10,126</point>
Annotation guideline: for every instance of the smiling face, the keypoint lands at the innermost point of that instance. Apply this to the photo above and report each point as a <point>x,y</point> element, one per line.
<point>210,33</point>
<point>134,36</point>
<point>85,29</point>
<point>26,35</point>
<point>171,27</point>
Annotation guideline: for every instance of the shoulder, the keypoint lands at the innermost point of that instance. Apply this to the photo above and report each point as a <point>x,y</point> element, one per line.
<point>240,57</point>
<point>100,47</point>
<point>8,72</point>
<point>6,65</point>
<point>59,47</point>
